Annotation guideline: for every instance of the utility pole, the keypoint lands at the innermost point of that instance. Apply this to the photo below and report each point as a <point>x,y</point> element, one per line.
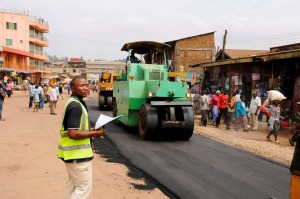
<point>224,42</point>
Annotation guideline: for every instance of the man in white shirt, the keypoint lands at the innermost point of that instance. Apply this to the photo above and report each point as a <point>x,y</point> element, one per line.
<point>253,110</point>
<point>53,100</point>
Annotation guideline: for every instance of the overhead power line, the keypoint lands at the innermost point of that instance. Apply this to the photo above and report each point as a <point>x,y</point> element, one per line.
<point>83,40</point>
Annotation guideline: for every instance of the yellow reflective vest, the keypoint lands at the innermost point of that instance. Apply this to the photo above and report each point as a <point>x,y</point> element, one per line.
<point>70,149</point>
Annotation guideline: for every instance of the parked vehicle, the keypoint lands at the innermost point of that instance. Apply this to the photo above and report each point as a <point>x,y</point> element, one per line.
<point>148,100</point>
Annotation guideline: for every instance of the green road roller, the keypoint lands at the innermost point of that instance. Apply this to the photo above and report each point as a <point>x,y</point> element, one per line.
<point>147,99</point>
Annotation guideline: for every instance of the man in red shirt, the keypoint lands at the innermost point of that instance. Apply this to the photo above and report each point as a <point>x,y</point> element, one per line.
<point>222,105</point>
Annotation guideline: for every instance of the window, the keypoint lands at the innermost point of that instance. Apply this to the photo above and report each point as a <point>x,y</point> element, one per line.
<point>11,26</point>
<point>31,47</point>
<point>64,71</point>
<point>74,70</point>
<point>9,42</point>
<point>21,41</point>
<point>18,60</point>
<point>31,62</point>
<point>155,76</point>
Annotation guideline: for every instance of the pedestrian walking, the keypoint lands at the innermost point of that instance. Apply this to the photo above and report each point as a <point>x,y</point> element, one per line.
<point>2,97</point>
<point>255,105</point>
<point>41,96</point>
<point>214,106</point>
<point>204,108</point>
<point>241,119</point>
<point>222,106</point>
<point>12,83</point>
<point>74,146</point>
<point>93,88</point>
<point>45,96</point>
<point>60,90</point>
<point>231,109</point>
<point>48,94</point>
<point>36,98</point>
<point>30,92</point>
<point>53,99</point>
<point>8,88</point>
<point>274,123</point>
<point>69,89</point>
<point>196,104</point>
<point>5,79</point>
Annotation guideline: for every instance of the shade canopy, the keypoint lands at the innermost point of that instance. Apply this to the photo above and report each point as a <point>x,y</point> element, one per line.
<point>143,47</point>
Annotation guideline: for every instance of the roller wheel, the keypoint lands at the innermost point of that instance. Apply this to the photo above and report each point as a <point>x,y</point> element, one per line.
<point>109,101</point>
<point>101,101</point>
<point>115,107</point>
<point>148,122</point>
<point>189,123</point>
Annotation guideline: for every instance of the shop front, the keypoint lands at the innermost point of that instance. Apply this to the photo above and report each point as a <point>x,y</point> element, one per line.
<point>15,75</point>
<point>271,71</point>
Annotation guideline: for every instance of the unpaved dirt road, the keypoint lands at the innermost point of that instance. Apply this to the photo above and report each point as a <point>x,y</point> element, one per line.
<point>29,166</point>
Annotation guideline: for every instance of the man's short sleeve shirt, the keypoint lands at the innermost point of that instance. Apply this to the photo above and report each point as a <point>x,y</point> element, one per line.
<point>73,115</point>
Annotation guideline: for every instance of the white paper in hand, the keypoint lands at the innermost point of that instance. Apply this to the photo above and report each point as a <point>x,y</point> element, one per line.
<point>104,119</point>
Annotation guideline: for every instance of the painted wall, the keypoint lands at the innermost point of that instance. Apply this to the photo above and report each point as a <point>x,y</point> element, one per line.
<point>20,36</point>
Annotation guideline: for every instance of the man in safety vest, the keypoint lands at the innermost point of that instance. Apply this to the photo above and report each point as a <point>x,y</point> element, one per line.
<point>74,146</point>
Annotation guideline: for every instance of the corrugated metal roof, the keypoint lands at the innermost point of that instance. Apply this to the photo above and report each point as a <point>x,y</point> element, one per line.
<point>262,57</point>
<point>238,53</point>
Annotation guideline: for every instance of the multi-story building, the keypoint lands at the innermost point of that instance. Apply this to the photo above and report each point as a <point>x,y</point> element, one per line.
<point>91,70</point>
<point>22,43</point>
<point>95,68</point>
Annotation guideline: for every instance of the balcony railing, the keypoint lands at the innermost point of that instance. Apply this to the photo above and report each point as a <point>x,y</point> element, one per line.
<point>38,52</point>
<point>24,12</point>
<point>38,20</point>
<point>38,36</point>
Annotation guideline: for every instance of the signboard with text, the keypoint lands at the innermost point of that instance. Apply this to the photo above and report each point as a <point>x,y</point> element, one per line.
<point>76,64</point>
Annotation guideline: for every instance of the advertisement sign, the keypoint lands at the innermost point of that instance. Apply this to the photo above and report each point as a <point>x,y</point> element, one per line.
<point>76,64</point>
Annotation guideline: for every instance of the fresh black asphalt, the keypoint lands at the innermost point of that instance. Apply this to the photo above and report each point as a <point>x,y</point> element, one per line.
<point>198,168</point>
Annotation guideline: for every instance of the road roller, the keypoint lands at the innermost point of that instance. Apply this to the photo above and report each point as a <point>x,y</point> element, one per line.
<point>147,99</point>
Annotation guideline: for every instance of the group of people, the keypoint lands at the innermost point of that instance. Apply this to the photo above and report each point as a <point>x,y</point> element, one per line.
<point>39,94</point>
<point>236,112</point>
<point>94,87</point>
<point>216,105</point>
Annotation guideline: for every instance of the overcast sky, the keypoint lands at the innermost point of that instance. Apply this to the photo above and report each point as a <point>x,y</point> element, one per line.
<point>96,29</point>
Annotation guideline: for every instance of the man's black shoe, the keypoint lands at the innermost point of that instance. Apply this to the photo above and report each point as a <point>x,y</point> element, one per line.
<point>291,142</point>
